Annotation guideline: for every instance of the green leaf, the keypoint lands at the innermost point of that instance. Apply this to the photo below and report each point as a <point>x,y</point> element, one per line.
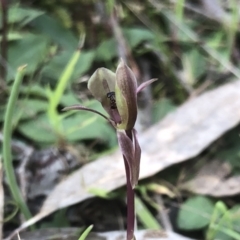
<point>12,35</point>
<point>29,108</point>
<point>161,108</point>
<point>26,109</point>
<point>220,220</point>
<point>228,234</point>
<point>85,125</point>
<point>55,67</point>
<point>228,228</point>
<point>194,65</point>
<point>69,99</point>
<point>21,15</point>
<point>221,234</point>
<point>135,36</point>
<point>81,125</point>
<point>30,50</point>
<point>34,90</point>
<point>39,130</point>
<point>195,213</point>
<point>224,223</point>
<point>52,28</point>
<point>235,216</point>
<point>103,53</point>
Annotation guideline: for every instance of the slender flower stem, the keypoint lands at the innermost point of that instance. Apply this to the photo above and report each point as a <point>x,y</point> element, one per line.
<point>130,204</point>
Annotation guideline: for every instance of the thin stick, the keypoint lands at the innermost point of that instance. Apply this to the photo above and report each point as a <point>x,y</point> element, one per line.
<point>163,215</point>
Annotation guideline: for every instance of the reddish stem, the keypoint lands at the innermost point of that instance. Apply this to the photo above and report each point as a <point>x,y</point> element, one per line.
<point>130,205</point>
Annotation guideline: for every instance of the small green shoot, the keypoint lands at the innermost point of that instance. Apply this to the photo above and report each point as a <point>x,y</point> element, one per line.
<point>232,27</point>
<point>221,223</point>
<point>54,96</point>
<point>102,193</point>
<point>179,9</point>
<point>195,213</point>
<point>85,233</point>
<point>220,210</point>
<point>145,216</point>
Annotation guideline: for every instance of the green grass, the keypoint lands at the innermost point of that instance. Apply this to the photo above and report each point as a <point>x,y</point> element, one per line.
<point>7,154</point>
<point>85,233</point>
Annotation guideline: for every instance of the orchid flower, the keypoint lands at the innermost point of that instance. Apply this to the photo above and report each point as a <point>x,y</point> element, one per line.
<point>117,92</point>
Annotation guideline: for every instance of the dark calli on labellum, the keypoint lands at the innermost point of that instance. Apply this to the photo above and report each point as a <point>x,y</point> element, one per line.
<point>117,92</point>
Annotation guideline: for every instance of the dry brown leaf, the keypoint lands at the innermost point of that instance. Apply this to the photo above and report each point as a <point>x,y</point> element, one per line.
<point>181,135</point>
<point>211,180</point>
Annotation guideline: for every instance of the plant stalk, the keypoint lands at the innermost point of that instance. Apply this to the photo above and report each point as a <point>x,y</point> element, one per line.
<point>130,204</point>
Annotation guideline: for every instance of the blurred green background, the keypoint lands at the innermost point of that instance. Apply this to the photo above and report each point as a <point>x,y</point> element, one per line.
<point>190,46</point>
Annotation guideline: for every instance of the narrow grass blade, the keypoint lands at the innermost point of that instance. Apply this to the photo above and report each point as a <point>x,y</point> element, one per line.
<point>7,155</point>
<point>145,215</point>
<point>55,95</point>
<point>230,232</point>
<point>85,233</point>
